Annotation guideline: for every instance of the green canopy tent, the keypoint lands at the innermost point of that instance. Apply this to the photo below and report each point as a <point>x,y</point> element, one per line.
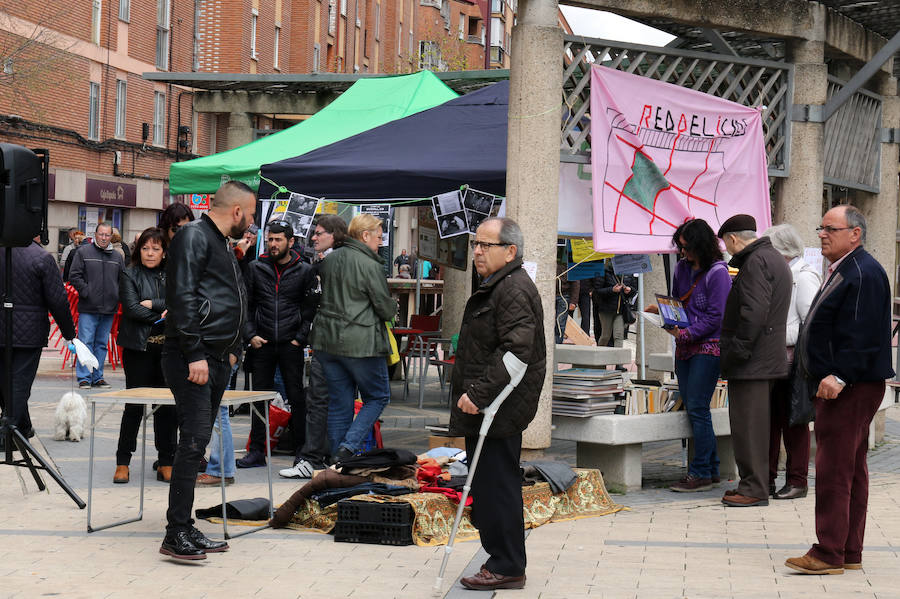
<point>366,104</point>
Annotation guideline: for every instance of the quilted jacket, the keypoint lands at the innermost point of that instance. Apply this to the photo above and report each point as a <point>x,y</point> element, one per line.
<point>95,274</point>
<point>37,288</point>
<point>504,314</point>
<point>277,298</point>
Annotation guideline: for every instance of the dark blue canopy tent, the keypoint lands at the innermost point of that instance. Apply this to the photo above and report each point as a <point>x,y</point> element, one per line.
<point>460,142</point>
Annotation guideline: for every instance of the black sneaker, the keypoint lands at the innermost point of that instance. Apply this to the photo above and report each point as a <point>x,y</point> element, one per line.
<point>180,546</point>
<point>253,459</point>
<point>84,384</point>
<point>342,454</point>
<point>205,544</point>
<point>692,483</point>
<point>101,384</point>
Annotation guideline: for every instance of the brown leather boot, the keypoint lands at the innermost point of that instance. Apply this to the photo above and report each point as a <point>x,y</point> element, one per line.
<point>164,474</point>
<point>121,475</point>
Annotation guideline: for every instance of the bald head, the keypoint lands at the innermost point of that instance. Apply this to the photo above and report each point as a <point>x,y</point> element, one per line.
<point>231,193</point>
<point>233,208</point>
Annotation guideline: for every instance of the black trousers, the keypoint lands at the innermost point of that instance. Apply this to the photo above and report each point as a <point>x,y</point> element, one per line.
<point>25,362</point>
<point>585,307</point>
<point>144,369</point>
<point>289,358</point>
<point>197,407</point>
<point>497,503</point>
<point>315,449</point>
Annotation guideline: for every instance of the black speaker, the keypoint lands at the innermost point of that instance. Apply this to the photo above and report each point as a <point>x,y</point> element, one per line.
<point>23,195</point>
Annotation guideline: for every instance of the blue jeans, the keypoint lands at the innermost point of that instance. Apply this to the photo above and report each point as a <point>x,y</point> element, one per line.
<point>697,378</point>
<point>93,331</point>
<point>214,465</point>
<point>344,375</point>
<point>562,317</point>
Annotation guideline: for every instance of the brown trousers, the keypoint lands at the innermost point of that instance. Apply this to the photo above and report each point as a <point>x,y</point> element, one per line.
<point>842,476</point>
<point>748,413</point>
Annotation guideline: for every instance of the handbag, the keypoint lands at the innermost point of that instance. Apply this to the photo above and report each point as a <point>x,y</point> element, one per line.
<point>802,411</point>
<point>628,316</point>
<point>394,356</point>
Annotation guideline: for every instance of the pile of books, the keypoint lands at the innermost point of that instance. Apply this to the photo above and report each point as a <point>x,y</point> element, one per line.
<point>585,392</point>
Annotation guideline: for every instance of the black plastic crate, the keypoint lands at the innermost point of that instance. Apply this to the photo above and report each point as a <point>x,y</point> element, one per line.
<point>372,532</point>
<point>371,512</point>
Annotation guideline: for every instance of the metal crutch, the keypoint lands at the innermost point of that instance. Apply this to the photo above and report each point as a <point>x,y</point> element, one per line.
<point>516,369</point>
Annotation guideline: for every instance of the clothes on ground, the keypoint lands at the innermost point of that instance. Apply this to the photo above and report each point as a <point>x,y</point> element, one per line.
<point>558,474</point>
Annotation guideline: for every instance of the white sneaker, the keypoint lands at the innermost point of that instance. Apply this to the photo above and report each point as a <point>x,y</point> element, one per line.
<point>301,469</point>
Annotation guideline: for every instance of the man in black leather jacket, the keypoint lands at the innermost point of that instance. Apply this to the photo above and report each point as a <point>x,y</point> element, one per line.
<point>207,308</point>
<point>277,327</point>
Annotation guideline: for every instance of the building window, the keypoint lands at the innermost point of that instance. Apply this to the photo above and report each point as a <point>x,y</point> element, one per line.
<point>195,62</point>
<point>445,14</point>
<point>315,64</point>
<point>121,99</point>
<point>332,17</point>
<point>475,33</point>
<point>497,6</point>
<point>400,40</point>
<point>377,22</point>
<point>462,26</point>
<point>162,35</point>
<point>430,56</point>
<point>125,10</point>
<point>344,7</point>
<point>96,14</point>
<point>94,116</point>
<point>277,40</point>
<point>159,118</point>
<point>254,18</point>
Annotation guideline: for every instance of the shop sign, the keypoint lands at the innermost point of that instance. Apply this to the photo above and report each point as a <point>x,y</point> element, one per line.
<point>110,193</point>
<point>199,201</point>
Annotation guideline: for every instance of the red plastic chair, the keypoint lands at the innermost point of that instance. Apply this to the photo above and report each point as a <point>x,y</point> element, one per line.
<point>420,347</point>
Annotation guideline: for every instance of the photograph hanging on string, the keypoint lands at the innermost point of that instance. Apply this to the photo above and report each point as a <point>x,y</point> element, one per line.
<point>299,212</point>
<point>478,206</point>
<point>450,214</point>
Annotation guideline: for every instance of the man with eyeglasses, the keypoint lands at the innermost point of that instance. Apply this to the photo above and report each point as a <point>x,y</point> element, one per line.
<point>95,275</point>
<point>845,347</point>
<point>503,314</point>
<point>277,286</point>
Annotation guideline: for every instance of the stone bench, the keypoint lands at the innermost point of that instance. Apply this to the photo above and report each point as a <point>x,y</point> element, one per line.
<point>613,442</point>
<point>589,356</point>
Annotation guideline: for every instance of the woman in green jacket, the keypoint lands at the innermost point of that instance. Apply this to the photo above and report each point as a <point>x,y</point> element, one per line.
<point>349,334</point>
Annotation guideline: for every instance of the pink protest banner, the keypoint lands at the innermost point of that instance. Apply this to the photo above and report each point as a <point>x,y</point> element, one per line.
<point>662,154</point>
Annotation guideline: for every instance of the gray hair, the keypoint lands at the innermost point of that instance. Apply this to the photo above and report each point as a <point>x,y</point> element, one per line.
<point>748,235</point>
<point>785,239</point>
<point>855,218</point>
<point>101,225</point>
<point>510,233</point>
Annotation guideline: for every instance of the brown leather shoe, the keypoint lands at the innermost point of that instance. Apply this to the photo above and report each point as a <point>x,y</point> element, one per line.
<point>810,565</point>
<point>207,480</point>
<point>486,580</point>
<point>164,474</point>
<point>791,492</point>
<point>852,565</point>
<point>121,475</point>
<point>738,500</point>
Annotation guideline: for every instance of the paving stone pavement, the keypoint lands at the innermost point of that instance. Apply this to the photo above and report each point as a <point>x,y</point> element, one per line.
<point>666,545</point>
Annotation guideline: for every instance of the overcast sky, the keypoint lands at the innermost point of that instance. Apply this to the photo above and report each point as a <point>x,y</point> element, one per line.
<point>609,26</point>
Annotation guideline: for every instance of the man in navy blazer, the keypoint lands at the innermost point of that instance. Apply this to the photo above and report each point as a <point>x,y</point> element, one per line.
<point>846,344</point>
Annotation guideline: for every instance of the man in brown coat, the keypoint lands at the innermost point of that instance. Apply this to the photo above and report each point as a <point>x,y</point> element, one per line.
<point>504,314</point>
<point>752,351</point>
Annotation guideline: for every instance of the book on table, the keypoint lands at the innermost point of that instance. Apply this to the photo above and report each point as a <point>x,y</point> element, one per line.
<point>672,312</point>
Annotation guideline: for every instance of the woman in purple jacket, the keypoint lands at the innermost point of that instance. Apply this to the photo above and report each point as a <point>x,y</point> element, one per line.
<point>702,283</point>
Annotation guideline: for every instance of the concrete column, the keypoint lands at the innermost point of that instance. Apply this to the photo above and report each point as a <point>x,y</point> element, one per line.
<point>240,129</point>
<point>532,171</point>
<point>457,289</point>
<point>656,340</point>
<point>798,199</point>
<point>881,208</point>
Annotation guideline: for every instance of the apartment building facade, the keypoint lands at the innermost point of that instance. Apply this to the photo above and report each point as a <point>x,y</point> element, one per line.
<point>71,74</point>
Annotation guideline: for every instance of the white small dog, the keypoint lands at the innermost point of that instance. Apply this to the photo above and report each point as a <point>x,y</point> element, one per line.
<point>71,414</point>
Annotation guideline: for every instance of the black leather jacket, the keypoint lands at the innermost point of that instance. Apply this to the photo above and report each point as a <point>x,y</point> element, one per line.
<point>277,300</point>
<point>138,283</point>
<point>204,293</point>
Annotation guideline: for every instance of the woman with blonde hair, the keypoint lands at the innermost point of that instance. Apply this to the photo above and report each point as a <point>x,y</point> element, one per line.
<point>349,336</point>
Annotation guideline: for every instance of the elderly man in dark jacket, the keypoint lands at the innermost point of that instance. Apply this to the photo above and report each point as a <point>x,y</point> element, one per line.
<point>504,314</point>
<point>846,346</point>
<point>95,275</point>
<point>37,288</point>
<point>752,352</point>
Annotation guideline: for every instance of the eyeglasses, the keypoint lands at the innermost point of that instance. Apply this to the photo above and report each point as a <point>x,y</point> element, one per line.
<point>317,233</point>
<point>486,245</point>
<point>829,229</point>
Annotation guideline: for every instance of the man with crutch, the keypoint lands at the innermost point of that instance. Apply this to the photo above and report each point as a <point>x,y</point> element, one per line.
<point>503,315</point>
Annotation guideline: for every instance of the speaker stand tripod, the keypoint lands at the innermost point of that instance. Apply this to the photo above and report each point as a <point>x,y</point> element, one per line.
<point>8,431</point>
